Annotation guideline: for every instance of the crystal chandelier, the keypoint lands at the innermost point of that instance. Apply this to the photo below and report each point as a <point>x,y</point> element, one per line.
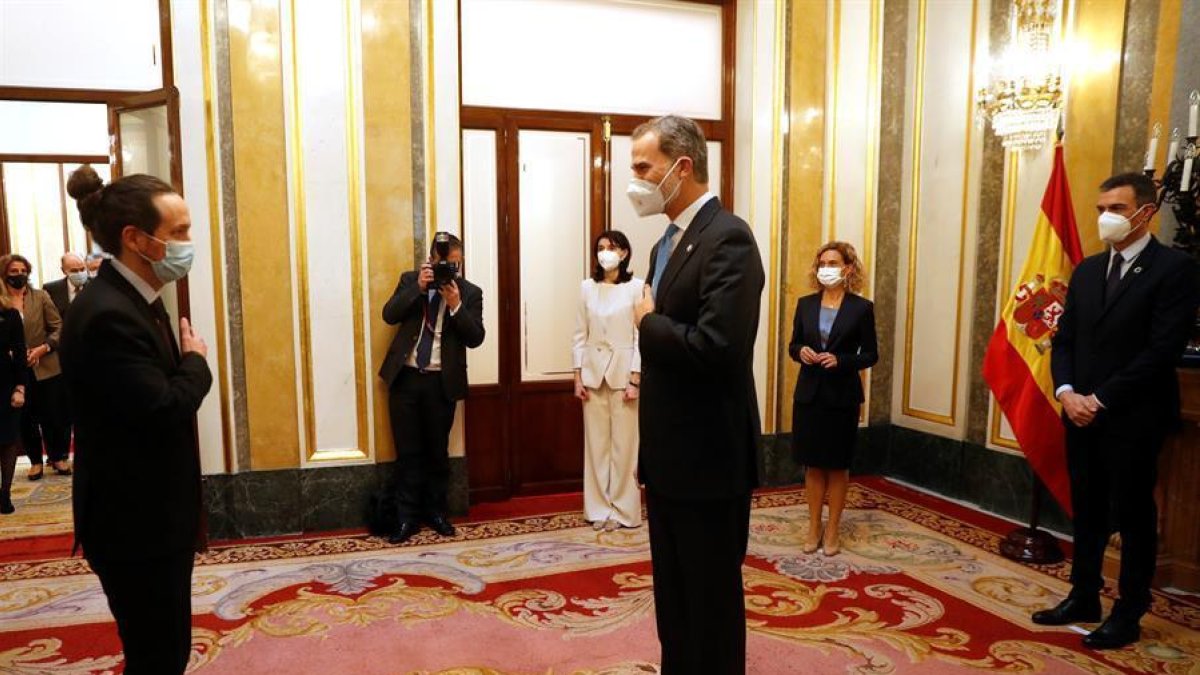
<point>1025,96</point>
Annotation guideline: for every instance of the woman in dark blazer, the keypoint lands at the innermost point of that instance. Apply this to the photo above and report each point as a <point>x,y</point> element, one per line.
<point>833,338</point>
<point>14,374</point>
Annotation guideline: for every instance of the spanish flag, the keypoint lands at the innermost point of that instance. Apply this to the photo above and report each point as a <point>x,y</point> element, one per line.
<point>1017,363</point>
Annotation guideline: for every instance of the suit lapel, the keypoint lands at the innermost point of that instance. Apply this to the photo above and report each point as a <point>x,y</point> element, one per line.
<point>687,244</point>
<point>112,276</point>
<point>812,319</point>
<point>1132,276</point>
<point>839,320</point>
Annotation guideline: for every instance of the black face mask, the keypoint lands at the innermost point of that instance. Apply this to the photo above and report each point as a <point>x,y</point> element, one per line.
<point>18,281</point>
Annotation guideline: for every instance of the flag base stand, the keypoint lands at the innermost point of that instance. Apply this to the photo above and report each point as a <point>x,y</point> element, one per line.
<point>1029,545</point>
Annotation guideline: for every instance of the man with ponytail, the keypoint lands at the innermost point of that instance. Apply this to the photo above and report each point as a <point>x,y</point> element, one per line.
<point>134,394</point>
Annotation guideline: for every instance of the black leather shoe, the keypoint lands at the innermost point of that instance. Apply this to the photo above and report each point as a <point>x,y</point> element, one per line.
<point>1118,631</point>
<point>1071,610</point>
<point>405,532</point>
<point>442,526</point>
<point>6,505</point>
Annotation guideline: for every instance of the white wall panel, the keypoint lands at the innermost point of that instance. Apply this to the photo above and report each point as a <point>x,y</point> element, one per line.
<point>758,153</point>
<point>480,238</point>
<point>42,128</point>
<point>83,44</point>
<point>939,208</point>
<point>593,56</point>
<point>214,417</point>
<point>324,112</point>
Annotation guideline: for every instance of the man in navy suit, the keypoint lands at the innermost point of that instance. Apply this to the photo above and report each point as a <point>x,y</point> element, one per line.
<point>1128,315</point>
<point>699,422</point>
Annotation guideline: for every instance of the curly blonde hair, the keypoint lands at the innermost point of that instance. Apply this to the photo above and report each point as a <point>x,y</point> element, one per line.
<point>854,274</point>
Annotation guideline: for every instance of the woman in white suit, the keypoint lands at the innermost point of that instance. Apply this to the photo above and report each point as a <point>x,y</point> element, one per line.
<point>607,377</point>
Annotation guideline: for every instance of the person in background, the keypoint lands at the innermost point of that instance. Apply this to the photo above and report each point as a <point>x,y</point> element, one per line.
<point>14,375</point>
<point>134,395</point>
<point>93,262</point>
<point>63,291</point>
<point>607,377</point>
<point>441,316</point>
<point>44,426</point>
<point>833,338</point>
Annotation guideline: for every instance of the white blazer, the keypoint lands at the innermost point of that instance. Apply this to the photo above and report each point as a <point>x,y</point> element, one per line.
<point>605,346</point>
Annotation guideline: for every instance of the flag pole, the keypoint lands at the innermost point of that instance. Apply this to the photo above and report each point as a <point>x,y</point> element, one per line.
<point>1031,544</point>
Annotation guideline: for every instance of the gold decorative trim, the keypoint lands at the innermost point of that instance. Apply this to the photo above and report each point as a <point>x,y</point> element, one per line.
<point>874,102</point>
<point>836,50</point>
<point>311,452</point>
<point>777,108</point>
<point>214,224</point>
<point>1011,183</point>
<point>918,112</point>
<point>431,217</point>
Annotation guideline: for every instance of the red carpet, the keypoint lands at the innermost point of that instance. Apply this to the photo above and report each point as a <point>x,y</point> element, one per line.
<point>917,589</point>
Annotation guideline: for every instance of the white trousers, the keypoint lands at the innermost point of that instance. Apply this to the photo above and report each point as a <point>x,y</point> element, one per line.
<point>610,430</point>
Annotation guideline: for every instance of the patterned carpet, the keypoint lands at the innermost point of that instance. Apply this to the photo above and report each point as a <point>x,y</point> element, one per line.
<point>917,589</point>
<point>43,507</point>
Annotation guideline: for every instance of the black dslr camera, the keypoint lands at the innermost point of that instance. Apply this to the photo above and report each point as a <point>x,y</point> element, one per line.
<point>444,271</point>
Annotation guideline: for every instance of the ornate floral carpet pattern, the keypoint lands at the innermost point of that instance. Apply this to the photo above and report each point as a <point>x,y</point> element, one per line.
<point>917,589</point>
<point>43,507</point>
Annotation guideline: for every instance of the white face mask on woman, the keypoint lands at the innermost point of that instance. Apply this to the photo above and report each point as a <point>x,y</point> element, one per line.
<point>609,260</point>
<point>647,198</point>
<point>829,276</point>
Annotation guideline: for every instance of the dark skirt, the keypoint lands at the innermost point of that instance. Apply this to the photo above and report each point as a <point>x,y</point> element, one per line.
<point>823,436</point>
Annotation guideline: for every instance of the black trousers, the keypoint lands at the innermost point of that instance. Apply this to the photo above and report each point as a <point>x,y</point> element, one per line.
<point>151,600</point>
<point>1113,472</point>
<point>421,420</point>
<point>45,419</point>
<point>697,549</point>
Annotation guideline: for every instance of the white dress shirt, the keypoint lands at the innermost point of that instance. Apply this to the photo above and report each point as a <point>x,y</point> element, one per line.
<point>686,216</point>
<point>435,354</point>
<point>139,284</point>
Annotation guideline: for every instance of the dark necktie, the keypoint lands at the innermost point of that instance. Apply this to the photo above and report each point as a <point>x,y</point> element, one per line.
<point>1114,277</point>
<point>663,255</point>
<point>425,345</point>
<point>163,320</point>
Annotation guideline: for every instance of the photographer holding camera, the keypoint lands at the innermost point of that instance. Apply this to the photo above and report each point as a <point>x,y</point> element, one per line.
<point>440,316</point>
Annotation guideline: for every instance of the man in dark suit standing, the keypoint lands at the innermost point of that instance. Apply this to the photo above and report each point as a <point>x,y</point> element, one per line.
<point>63,291</point>
<point>134,395</point>
<point>699,420</point>
<point>1128,315</point>
<point>440,316</point>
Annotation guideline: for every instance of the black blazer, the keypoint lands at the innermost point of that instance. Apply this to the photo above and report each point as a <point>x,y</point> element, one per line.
<point>1125,350</point>
<point>462,330</point>
<point>852,340</point>
<point>699,420</point>
<point>137,491</point>
<point>60,294</point>
<point>13,371</point>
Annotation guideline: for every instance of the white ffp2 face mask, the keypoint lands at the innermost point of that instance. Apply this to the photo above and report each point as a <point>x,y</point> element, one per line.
<point>647,198</point>
<point>1114,227</point>
<point>829,276</point>
<point>609,260</point>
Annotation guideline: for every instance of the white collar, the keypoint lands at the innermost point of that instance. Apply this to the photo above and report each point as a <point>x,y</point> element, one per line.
<point>1133,250</point>
<point>689,214</point>
<point>139,284</point>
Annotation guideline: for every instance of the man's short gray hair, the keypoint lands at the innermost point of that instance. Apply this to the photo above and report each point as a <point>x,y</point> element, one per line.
<point>679,137</point>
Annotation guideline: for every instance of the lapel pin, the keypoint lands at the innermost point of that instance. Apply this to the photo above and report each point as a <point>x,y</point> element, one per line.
<point>1137,270</point>
<point>689,248</point>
